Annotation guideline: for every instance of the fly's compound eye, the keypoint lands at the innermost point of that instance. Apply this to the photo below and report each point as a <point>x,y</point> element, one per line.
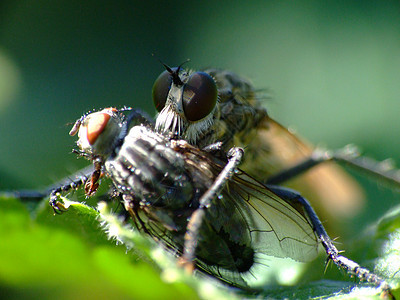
<point>199,96</point>
<point>161,88</point>
<point>94,127</point>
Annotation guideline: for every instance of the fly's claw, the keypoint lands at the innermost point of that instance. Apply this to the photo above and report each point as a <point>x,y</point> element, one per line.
<point>92,184</point>
<point>91,188</point>
<point>55,196</point>
<point>55,203</point>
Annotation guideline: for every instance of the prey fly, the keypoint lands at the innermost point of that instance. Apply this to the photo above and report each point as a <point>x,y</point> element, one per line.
<point>214,216</point>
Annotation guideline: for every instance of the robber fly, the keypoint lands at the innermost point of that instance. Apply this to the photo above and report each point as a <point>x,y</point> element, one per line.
<point>213,105</point>
<point>210,213</point>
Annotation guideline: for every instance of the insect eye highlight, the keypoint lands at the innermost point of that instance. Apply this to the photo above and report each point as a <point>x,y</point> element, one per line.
<point>199,96</point>
<point>161,88</point>
<point>96,126</point>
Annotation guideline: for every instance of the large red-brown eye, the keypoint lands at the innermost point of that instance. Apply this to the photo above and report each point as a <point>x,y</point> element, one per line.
<point>199,96</point>
<point>161,89</point>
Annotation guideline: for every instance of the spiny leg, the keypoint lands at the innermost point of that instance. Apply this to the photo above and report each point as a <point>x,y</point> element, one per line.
<point>54,190</point>
<point>92,184</point>
<point>348,155</point>
<point>25,195</point>
<point>193,227</point>
<point>351,267</point>
<point>58,206</point>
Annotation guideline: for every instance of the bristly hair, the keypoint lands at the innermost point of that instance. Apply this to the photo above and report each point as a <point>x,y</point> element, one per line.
<point>168,121</point>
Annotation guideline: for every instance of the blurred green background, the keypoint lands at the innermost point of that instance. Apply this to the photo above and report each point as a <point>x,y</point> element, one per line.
<point>331,67</point>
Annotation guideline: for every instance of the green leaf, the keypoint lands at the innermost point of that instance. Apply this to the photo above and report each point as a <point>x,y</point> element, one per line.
<point>69,256</point>
<point>93,253</point>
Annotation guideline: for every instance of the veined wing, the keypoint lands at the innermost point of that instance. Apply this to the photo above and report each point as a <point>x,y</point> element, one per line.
<point>277,227</point>
<point>251,214</point>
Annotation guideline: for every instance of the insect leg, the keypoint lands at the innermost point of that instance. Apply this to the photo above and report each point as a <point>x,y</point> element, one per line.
<point>193,227</point>
<point>35,195</point>
<point>351,267</point>
<point>57,206</point>
<point>348,155</point>
<point>55,190</point>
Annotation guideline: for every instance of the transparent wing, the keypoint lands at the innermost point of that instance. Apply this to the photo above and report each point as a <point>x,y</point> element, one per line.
<point>277,227</point>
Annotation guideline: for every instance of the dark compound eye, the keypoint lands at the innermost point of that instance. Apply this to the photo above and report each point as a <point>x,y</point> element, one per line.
<point>161,89</point>
<point>199,96</point>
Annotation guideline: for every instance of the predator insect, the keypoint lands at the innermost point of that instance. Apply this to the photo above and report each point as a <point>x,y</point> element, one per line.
<point>214,105</point>
<point>178,178</point>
